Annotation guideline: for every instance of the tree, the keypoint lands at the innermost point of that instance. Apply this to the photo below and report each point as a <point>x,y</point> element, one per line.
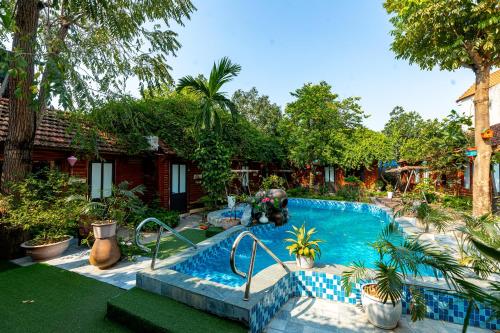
<point>22,108</point>
<point>258,110</point>
<point>210,94</point>
<point>451,34</point>
<point>402,126</point>
<point>84,53</point>
<point>317,124</point>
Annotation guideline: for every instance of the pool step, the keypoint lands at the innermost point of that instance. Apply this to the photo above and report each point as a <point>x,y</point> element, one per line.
<point>142,311</point>
<point>200,294</point>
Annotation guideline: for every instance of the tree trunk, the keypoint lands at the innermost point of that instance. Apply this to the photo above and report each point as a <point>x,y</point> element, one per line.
<point>22,106</point>
<point>481,190</point>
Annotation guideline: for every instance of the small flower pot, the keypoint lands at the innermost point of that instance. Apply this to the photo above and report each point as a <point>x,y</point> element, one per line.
<point>263,219</point>
<point>390,195</point>
<point>46,251</point>
<point>304,262</point>
<point>487,134</point>
<point>383,315</point>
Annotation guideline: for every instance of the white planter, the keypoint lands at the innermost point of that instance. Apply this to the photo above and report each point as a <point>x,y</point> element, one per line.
<point>263,219</point>
<point>104,230</point>
<point>231,201</point>
<point>389,195</point>
<point>304,262</point>
<point>382,315</point>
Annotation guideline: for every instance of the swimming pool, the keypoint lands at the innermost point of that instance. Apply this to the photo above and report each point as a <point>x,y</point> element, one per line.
<point>345,228</point>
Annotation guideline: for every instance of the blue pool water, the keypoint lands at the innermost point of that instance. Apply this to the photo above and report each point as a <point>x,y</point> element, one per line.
<point>345,228</point>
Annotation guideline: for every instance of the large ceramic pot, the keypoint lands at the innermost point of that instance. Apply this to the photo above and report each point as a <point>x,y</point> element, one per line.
<point>105,251</point>
<point>380,314</point>
<point>304,262</point>
<point>46,251</point>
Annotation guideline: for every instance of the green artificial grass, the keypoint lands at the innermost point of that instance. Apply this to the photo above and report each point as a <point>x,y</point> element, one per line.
<point>143,311</point>
<point>171,244</point>
<point>42,298</point>
<point>6,265</point>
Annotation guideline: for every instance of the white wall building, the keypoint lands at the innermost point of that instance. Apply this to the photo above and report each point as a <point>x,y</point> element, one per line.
<point>466,101</point>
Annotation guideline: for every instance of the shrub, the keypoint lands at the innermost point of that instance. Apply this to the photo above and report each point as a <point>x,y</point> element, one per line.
<point>273,181</point>
<point>170,218</point>
<point>39,204</point>
<point>349,193</point>
<point>463,204</point>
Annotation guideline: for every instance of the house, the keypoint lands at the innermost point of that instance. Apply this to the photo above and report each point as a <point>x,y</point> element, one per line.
<point>333,177</point>
<point>465,102</point>
<point>173,181</point>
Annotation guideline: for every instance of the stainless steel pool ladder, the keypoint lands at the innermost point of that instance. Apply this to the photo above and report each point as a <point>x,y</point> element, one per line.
<point>248,275</point>
<point>158,238</point>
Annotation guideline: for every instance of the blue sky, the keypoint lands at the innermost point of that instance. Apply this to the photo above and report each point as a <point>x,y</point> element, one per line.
<point>282,44</point>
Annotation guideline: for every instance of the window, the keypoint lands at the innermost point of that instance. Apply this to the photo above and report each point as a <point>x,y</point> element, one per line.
<point>467,176</point>
<point>495,170</point>
<point>101,180</point>
<point>178,178</point>
<point>329,174</point>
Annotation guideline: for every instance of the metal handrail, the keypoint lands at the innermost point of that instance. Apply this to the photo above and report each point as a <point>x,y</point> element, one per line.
<point>158,238</point>
<point>248,275</point>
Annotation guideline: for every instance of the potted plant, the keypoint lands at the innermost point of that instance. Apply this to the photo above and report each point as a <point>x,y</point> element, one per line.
<point>487,134</point>
<point>389,188</point>
<point>398,259</point>
<point>303,246</point>
<point>37,204</point>
<point>105,215</point>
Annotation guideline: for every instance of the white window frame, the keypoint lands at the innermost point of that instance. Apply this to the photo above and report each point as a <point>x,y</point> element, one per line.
<point>101,180</point>
<point>329,174</point>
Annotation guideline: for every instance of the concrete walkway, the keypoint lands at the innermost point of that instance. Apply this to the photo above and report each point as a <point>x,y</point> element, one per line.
<point>122,275</point>
<point>315,315</point>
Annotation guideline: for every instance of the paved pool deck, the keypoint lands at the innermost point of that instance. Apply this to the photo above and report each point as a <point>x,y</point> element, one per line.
<point>316,315</point>
<point>123,274</point>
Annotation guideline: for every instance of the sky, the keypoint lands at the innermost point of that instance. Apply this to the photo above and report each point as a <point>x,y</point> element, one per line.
<point>282,44</point>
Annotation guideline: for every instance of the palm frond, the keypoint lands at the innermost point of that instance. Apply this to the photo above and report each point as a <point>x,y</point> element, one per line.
<point>353,275</point>
<point>389,283</point>
<point>418,309</point>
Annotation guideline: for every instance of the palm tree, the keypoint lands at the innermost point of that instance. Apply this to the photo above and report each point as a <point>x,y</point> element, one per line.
<point>211,96</point>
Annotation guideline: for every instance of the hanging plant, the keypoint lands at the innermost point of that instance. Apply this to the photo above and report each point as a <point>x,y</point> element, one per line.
<point>487,134</point>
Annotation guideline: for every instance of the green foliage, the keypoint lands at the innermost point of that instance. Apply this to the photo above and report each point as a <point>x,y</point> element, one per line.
<point>120,206</point>
<point>258,110</point>
<point>169,217</point>
<point>86,50</point>
<point>273,181</point>
<point>303,244</point>
<point>467,36</point>
<point>350,192</point>
<point>213,158</point>
<point>463,204</point>
<point>321,128</point>
<point>170,117</point>
<point>39,204</point>
<point>479,244</point>
<point>399,259</point>
<point>212,100</point>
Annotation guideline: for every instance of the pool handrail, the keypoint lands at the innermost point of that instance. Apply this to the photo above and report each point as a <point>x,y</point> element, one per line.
<point>248,275</point>
<point>158,238</point>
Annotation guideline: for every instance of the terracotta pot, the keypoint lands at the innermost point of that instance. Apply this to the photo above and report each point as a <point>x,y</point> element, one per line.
<point>383,315</point>
<point>304,262</point>
<point>105,251</point>
<point>46,251</point>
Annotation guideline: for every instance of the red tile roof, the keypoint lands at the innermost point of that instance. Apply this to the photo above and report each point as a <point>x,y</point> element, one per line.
<point>54,132</point>
<point>494,80</point>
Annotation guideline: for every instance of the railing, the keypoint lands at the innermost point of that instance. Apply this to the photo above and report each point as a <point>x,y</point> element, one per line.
<point>248,275</point>
<point>158,238</point>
